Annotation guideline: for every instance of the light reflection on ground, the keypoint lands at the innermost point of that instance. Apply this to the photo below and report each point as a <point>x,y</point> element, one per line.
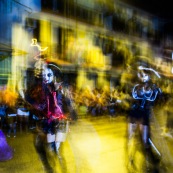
<point>94,145</point>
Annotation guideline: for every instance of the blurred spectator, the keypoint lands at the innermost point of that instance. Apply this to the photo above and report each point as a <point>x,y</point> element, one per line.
<point>32,121</point>
<point>23,117</point>
<point>2,115</point>
<point>11,121</point>
<point>112,105</point>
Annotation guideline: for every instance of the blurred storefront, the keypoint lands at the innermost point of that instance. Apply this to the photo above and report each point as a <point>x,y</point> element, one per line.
<point>5,63</point>
<point>93,42</point>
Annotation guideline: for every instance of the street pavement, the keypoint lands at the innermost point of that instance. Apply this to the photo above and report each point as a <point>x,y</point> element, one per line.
<point>93,145</point>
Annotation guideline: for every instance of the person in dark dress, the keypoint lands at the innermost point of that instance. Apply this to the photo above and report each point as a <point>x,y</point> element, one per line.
<point>144,94</point>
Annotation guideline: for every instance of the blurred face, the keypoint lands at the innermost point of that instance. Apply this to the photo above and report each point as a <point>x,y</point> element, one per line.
<point>143,77</point>
<point>48,75</point>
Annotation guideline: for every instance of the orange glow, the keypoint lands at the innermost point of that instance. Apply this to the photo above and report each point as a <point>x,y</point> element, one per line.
<point>8,97</point>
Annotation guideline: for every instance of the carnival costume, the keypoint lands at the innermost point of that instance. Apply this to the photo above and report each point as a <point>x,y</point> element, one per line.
<point>46,98</point>
<point>144,95</point>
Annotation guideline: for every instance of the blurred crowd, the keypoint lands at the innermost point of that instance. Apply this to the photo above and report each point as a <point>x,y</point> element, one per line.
<point>99,102</point>
<point>16,118</point>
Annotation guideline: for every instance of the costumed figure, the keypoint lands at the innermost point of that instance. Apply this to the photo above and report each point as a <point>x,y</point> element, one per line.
<point>144,95</point>
<point>6,152</point>
<point>46,98</point>
<point>57,124</point>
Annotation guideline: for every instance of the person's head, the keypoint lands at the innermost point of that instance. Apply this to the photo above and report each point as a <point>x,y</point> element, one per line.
<point>144,76</point>
<point>48,76</point>
<point>144,73</point>
<point>51,73</point>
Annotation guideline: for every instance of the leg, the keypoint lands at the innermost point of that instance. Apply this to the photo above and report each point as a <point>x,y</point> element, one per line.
<point>26,123</point>
<point>145,134</point>
<point>51,142</point>
<point>9,130</point>
<point>57,146</point>
<point>20,121</point>
<point>151,159</point>
<point>131,130</point>
<point>14,129</point>
<point>130,145</point>
<point>40,141</point>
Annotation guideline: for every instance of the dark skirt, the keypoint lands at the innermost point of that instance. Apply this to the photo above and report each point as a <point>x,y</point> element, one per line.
<point>141,116</point>
<point>6,152</point>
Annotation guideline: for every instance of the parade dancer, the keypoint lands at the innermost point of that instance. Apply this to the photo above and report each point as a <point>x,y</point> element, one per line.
<point>46,98</point>
<point>57,124</point>
<point>144,95</point>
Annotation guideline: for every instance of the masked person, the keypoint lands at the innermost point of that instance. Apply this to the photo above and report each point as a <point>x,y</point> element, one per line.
<point>56,121</point>
<point>47,98</point>
<point>144,94</point>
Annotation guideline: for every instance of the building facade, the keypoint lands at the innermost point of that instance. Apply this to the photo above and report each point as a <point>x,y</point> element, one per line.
<point>93,42</point>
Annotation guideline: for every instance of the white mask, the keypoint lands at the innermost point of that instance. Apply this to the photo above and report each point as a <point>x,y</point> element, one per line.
<point>144,77</point>
<point>48,75</point>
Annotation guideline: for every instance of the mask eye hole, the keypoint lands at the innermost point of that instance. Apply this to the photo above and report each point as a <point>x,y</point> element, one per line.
<point>49,75</point>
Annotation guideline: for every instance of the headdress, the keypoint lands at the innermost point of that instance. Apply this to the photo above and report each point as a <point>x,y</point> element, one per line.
<point>144,73</point>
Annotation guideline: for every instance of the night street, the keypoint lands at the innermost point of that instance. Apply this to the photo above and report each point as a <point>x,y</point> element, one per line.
<point>86,86</point>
